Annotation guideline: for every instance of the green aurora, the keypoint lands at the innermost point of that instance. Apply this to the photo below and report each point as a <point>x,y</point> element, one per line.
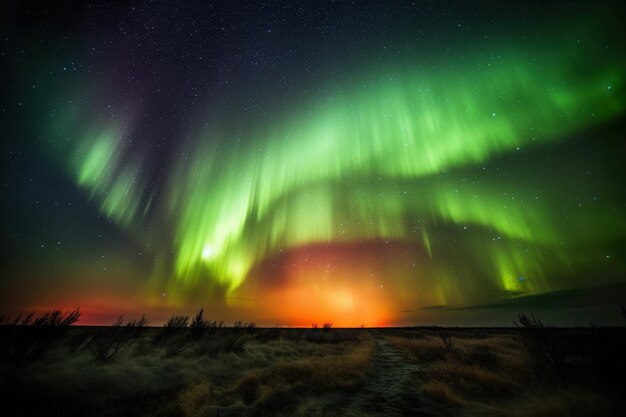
<point>443,158</point>
<point>357,168</point>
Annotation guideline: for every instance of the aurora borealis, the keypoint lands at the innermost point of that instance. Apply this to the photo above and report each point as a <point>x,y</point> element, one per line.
<point>298,162</point>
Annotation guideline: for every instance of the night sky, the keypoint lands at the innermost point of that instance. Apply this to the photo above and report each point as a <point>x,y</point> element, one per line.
<point>376,163</point>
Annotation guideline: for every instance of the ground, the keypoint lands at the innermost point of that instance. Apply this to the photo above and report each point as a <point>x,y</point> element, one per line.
<point>249,371</point>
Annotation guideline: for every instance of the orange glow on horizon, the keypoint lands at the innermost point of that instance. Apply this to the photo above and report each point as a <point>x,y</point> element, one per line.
<point>302,306</point>
<point>346,284</point>
<point>336,283</point>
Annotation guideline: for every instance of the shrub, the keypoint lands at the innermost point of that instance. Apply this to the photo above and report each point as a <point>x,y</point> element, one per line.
<point>177,322</point>
<point>334,337</point>
<point>31,338</point>
<point>173,336</point>
<point>447,343</point>
<point>199,325</point>
<point>109,341</point>
<point>248,326</point>
<point>543,342</point>
<point>207,342</point>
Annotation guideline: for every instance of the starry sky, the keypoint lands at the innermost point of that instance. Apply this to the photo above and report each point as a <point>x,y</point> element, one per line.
<point>289,162</point>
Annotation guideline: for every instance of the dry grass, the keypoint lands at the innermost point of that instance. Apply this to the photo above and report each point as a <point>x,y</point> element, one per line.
<point>194,399</point>
<point>560,402</point>
<point>284,386</point>
<point>493,374</point>
<point>311,374</point>
<point>422,348</point>
<point>440,391</point>
<point>307,372</point>
<point>269,374</point>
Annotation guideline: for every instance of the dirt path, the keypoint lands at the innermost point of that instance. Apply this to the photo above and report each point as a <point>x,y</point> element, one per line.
<point>391,390</point>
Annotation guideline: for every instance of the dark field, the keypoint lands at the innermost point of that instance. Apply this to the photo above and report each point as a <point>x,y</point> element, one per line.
<point>206,369</point>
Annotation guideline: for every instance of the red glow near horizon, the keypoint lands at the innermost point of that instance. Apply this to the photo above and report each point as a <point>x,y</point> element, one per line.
<point>346,284</point>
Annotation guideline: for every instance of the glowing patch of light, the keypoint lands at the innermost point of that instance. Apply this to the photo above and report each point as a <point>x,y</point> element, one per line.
<point>208,252</point>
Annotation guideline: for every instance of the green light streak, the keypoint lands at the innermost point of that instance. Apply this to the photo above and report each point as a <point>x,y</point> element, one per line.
<point>115,183</point>
<point>380,162</point>
<point>291,192</point>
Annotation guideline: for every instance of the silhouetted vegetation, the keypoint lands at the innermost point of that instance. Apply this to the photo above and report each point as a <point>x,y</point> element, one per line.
<point>199,325</point>
<point>590,354</point>
<point>248,326</point>
<point>177,322</point>
<point>30,338</point>
<point>447,343</point>
<point>533,368</point>
<point>205,334</point>
<point>201,336</point>
<point>109,341</point>
<point>174,336</point>
<point>196,366</point>
<point>545,343</point>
